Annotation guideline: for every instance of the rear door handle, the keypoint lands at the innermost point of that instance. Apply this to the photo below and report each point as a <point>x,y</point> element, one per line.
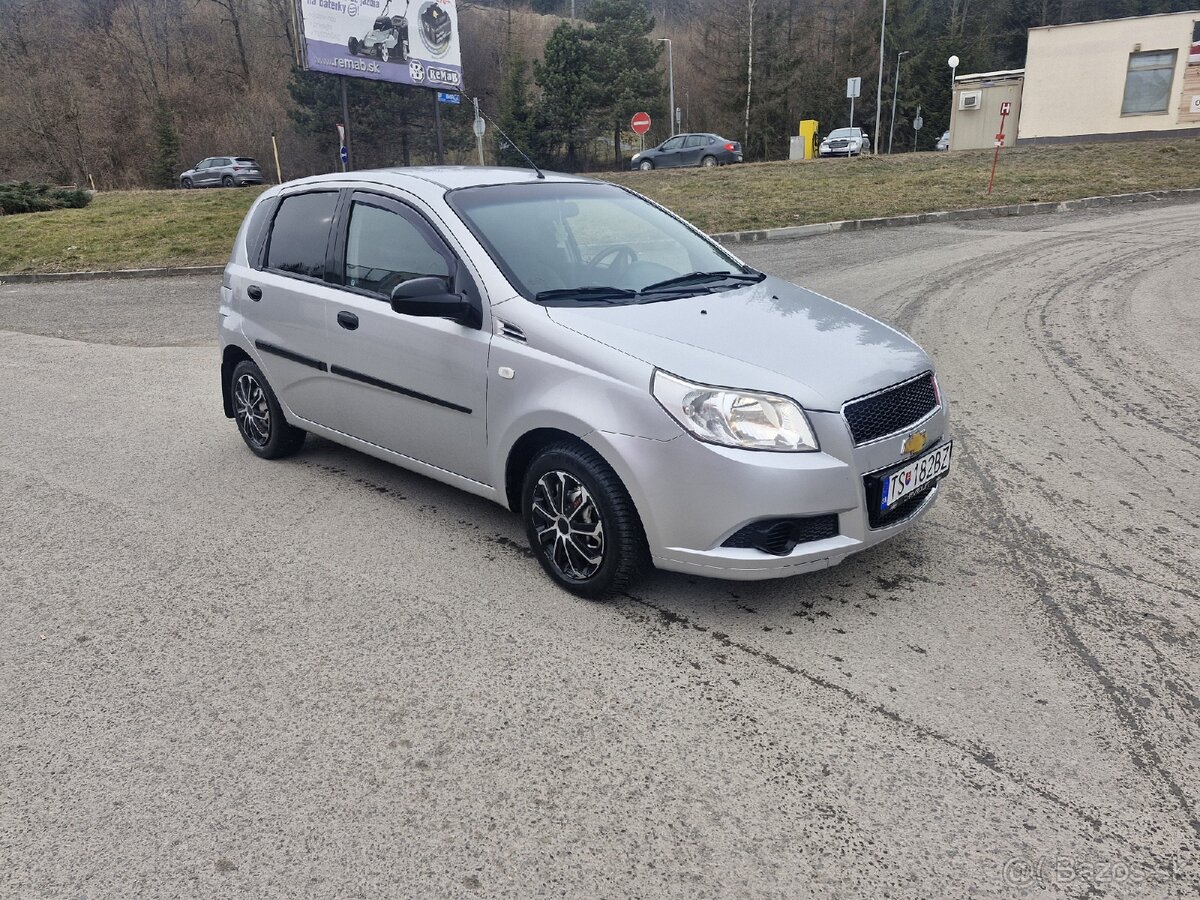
<point>347,320</point>
<point>254,292</point>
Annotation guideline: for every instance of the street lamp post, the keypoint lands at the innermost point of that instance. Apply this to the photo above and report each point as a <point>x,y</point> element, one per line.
<point>671,76</point>
<point>895,94</point>
<point>952,62</point>
<point>879,89</point>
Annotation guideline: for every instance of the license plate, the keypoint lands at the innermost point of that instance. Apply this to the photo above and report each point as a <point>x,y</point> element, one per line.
<point>918,473</point>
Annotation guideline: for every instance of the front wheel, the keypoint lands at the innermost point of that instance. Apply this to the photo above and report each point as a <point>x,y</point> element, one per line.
<point>258,415</point>
<point>187,184</point>
<point>384,55</point>
<point>645,165</point>
<point>353,46</point>
<point>581,522</point>
<point>708,162</point>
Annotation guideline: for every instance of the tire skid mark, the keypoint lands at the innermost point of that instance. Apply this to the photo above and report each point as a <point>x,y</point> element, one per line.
<point>1140,748</point>
<point>980,755</point>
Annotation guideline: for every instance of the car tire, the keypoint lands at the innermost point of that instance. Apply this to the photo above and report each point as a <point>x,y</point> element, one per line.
<point>646,165</point>
<point>186,184</point>
<point>258,415</point>
<point>384,55</point>
<point>353,46</point>
<point>227,181</point>
<point>568,484</point>
<point>708,162</point>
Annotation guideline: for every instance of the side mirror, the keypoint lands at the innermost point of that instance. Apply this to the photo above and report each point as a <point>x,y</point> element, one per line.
<point>430,296</point>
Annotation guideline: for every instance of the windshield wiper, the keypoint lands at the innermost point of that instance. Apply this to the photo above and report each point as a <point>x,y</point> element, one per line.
<point>594,294</point>
<point>697,278</point>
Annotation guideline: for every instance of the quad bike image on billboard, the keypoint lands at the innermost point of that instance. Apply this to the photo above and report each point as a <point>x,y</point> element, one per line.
<point>387,39</point>
<point>406,41</point>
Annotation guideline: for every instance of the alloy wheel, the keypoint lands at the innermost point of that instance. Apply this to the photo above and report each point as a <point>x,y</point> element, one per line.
<point>251,410</point>
<point>569,530</point>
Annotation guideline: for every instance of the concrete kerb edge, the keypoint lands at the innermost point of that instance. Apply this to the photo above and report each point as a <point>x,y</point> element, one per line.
<point>955,215</point>
<point>34,277</point>
<point>791,232</point>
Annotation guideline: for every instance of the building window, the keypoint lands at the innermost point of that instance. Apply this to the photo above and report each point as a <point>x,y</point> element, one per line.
<point>1148,82</point>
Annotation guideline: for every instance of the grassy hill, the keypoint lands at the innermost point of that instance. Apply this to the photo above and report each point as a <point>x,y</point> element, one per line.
<point>134,229</point>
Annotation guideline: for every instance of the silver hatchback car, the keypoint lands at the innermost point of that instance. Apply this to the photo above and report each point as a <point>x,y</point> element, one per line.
<point>572,350</point>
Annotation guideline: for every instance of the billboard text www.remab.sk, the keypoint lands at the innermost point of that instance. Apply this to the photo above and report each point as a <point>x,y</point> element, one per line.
<point>408,41</point>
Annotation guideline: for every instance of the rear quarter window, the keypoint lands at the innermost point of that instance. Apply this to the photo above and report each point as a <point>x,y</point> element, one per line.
<point>300,234</point>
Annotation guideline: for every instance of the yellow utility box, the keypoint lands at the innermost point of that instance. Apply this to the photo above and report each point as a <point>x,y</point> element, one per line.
<point>805,145</point>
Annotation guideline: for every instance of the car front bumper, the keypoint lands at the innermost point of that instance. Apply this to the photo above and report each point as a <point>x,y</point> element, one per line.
<point>693,496</point>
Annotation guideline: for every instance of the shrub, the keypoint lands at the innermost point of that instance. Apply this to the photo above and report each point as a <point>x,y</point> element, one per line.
<point>24,197</point>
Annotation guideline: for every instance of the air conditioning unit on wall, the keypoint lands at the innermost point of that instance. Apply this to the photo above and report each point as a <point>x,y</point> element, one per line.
<point>970,100</point>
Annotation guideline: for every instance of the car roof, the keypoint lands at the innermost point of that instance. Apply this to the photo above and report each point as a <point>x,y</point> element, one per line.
<point>448,178</point>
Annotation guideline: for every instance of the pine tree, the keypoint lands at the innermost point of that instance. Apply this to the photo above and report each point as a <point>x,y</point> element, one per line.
<point>165,168</point>
<point>565,76</point>
<point>625,65</point>
<point>516,115</point>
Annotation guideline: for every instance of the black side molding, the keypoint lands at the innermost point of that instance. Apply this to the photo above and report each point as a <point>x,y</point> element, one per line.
<point>388,386</point>
<point>294,357</point>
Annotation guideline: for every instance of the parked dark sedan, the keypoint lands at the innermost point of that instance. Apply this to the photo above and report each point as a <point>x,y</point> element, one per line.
<point>227,171</point>
<point>689,150</point>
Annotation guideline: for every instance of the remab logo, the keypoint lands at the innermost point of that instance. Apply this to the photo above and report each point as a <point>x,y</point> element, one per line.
<point>443,76</point>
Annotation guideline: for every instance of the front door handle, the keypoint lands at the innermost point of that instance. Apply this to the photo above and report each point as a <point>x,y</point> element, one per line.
<point>254,292</point>
<point>347,320</point>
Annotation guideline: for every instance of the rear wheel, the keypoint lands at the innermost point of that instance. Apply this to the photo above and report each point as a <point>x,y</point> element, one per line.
<point>227,181</point>
<point>581,522</point>
<point>708,162</point>
<point>259,418</point>
<point>645,165</point>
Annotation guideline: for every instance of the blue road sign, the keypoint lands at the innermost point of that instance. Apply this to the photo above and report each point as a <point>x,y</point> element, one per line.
<point>452,99</point>
<point>345,155</point>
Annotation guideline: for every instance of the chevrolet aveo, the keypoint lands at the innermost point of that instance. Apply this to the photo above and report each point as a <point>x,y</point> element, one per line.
<point>572,350</point>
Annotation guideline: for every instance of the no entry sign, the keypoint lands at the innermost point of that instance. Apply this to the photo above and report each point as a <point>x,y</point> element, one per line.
<point>640,123</point>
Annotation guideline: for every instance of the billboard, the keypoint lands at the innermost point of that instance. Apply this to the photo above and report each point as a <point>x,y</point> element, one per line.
<point>406,41</point>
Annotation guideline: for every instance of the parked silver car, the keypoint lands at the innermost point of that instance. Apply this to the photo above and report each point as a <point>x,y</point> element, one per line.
<point>223,171</point>
<point>572,350</point>
<point>845,142</point>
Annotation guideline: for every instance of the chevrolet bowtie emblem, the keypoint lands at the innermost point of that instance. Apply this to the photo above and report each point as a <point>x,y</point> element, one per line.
<point>915,442</point>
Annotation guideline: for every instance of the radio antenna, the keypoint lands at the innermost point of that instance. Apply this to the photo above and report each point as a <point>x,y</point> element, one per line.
<point>512,143</point>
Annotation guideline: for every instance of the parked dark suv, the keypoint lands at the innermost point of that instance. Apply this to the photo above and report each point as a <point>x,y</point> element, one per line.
<point>226,171</point>
<point>689,150</point>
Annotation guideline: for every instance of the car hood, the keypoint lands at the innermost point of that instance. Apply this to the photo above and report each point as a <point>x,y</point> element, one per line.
<point>771,336</point>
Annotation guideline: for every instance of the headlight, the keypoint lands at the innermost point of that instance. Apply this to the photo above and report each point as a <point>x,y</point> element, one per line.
<point>734,418</point>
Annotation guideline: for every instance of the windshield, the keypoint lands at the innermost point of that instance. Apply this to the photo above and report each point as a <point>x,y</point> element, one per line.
<point>592,243</point>
<point>844,133</point>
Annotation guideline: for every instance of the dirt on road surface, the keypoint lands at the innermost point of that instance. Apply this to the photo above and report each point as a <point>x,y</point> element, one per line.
<point>221,676</point>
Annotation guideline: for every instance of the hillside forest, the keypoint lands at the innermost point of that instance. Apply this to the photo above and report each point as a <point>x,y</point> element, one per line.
<point>128,93</point>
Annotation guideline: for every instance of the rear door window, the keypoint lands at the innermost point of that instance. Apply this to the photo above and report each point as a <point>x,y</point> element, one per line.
<point>693,140</point>
<point>300,234</point>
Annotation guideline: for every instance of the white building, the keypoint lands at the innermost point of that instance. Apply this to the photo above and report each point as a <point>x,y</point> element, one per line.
<point>1113,80</point>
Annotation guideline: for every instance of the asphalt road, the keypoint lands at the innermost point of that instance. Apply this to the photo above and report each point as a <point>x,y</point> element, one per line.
<point>328,677</point>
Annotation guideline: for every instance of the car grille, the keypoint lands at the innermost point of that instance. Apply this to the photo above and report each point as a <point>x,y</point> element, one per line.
<point>779,537</point>
<point>839,143</point>
<point>892,409</point>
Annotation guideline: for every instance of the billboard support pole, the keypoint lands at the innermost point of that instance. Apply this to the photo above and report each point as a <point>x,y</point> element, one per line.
<point>346,120</point>
<point>437,127</point>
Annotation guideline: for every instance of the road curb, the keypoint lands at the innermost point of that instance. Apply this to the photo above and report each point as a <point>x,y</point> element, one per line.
<point>34,277</point>
<point>795,232</point>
